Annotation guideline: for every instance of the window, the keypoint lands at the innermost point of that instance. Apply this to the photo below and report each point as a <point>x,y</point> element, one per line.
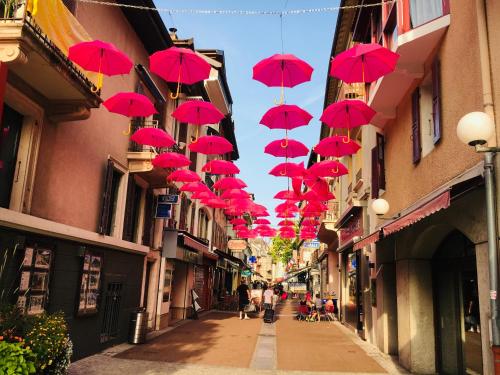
<point>193,214</point>
<point>425,11</point>
<point>71,5</point>
<point>110,204</point>
<point>378,167</point>
<point>183,212</point>
<point>90,284</point>
<point>132,210</point>
<point>34,281</point>
<point>193,156</point>
<point>203,224</point>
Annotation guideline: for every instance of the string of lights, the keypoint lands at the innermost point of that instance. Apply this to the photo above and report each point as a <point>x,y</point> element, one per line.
<point>238,12</point>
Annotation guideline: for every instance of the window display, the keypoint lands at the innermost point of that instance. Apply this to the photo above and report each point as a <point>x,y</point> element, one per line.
<point>90,284</point>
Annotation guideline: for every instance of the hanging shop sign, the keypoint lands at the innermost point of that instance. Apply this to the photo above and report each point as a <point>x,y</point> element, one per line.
<point>168,198</point>
<point>163,211</point>
<point>237,245</point>
<point>352,228</point>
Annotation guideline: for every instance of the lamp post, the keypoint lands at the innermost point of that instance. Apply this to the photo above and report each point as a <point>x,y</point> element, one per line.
<point>474,129</point>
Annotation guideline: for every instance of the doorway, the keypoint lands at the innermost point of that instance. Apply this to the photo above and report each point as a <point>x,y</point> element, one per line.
<point>456,304</point>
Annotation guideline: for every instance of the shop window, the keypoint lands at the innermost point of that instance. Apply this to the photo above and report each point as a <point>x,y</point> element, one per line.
<point>110,203</point>
<point>167,285</point>
<point>34,280</point>
<point>90,284</point>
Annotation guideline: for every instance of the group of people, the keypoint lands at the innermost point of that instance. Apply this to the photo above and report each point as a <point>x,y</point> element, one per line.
<point>270,298</point>
<point>310,310</point>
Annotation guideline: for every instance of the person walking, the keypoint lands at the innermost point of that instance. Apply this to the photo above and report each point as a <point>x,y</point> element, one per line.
<point>243,298</point>
<point>268,298</point>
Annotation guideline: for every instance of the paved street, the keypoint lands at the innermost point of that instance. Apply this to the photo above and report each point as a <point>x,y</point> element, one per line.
<point>220,343</point>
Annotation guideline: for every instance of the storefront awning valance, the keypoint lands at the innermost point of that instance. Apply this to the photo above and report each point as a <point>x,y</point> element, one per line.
<point>368,240</point>
<point>236,261</point>
<point>440,202</point>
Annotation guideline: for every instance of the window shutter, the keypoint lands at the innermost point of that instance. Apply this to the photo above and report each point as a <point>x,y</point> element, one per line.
<point>193,156</point>
<point>183,214</point>
<point>148,218</point>
<point>106,199</point>
<point>375,174</point>
<point>381,160</point>
<point>183,132</point>
<point>415,127</point>
<point>436,100</point>
<point>193,213</point>
<point>128,222</point>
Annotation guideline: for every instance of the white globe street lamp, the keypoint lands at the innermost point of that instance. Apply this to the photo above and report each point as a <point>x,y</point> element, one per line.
<point>475,128</point>
<point>380,206</point>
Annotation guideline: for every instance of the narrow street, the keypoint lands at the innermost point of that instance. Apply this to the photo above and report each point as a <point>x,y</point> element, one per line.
<point>221,343</point>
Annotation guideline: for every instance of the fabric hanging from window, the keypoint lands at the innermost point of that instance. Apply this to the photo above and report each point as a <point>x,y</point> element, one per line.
<point>423,11</point>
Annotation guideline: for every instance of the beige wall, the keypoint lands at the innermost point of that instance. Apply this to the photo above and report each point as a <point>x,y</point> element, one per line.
<point>73,155</point>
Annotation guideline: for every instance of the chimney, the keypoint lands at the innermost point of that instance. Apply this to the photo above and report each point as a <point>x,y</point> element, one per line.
<point>173,33</point>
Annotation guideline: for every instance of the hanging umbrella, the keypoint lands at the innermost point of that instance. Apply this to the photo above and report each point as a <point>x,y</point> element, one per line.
<point>261,214</point>
<point>262,221</point>
<point>318,184</point>
<point>328,168</point>
<point>287,235</point>
<point>179,65</point>
<point>152,137</point>
<point>194,186</point>
<point>262,227</point>
<point>220,167</point>
<point>308,228</point>
<point>285,116</point>
<point>183,175</point>
<point>286,208</point>
<point>286,223</point>
<point>130,104</point>
<point>239,227</point>
<point>171,160</point>
<point>310,222</point>
<point>363,63</point>
<point>307,236</point>
<point>234,194</point>
<point>211,145</point>
<point>289,148</point>
<point>229,183</point>
<point>288,170</point>
<point>282,70</point>
<point>203,195</point>
<point>215,203</point>
<point>336,146</point>
<point>347,114</point>
<point>100,57</point>
<point>268,233</point>
<point>287,194</point>
<point>238,221</point>
<point>197,112</point>
<point>312,195</point>
<point>285,215</point>
<point>315,205</point>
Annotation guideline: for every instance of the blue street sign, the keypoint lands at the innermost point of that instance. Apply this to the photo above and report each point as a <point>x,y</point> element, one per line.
<point>163,211</point>
<point>169,198</point>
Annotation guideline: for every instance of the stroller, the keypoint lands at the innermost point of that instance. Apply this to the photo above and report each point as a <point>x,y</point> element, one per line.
<point>302,313</point>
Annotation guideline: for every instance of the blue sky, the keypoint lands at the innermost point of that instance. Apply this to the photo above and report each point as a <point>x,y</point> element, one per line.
<point>245,41</point>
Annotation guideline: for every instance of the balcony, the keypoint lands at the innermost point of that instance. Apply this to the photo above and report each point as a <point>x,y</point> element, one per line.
<point>38,65</point>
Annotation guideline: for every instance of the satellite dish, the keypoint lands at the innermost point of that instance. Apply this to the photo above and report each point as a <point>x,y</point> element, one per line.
<point>196,306</point>
<point>195,296</point>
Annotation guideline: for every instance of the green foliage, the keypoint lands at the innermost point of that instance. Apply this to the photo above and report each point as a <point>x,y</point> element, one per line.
<point>282,249</point>
<point>16,359</point>
<point>13,324</point>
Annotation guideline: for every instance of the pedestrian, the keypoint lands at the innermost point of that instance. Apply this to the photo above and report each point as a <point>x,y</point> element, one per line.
<point>243,298</point>
<point>268,298</point>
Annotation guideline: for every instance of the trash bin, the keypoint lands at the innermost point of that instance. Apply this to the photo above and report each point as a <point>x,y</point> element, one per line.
<point>138,326</point>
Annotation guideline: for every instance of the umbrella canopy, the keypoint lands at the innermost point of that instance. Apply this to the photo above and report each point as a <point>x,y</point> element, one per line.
<point>282,70</point>
<point>287,235</point>
<point>262,227</point>
<point>171,160</point>
<point>229,183</point>
<point>177,64</point>
<point>215,203</point>
<point>203,195</point>
<point>287,195</point>
<point>328,168</point>
<point>310,222</point>
<point>288,170</point>
<point>220,167</point>
<point>238,221</point>
<point>183,175</point>
<point>152,137</point>
<point>234,194</point>
<point>194,186</point>
<point>286,223</point>
<point>336,146</point>
<point>285,116</point>
<point>307,235</point>
<point>363,63</point>
<point>130,104</point>
<point>308,228</point>
<point>347,114</point>
<point>268,233</point>
<point>262,222</point>
<point>285,215</point>
<point>100,57</point>
<point>240,227</point>
<point>261,214</point>
<point>289,148</point>
<point>211,145</point>
<point>198,112</point>
<point>284,207</point>
<point>313,195</point>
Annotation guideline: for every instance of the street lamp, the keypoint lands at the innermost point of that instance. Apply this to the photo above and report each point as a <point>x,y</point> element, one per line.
<point>380,206</point>
<point>474,129</point>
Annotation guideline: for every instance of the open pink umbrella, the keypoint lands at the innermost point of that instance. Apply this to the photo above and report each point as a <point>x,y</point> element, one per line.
<point>315,205</point>
<point>130,104</point>
<point>215,203</point>
<point>348,114</point>
<point>287,194</point>
<point>203,195</point>
<point>238,221</point>
<point>288,170</point>
<point>183,175</point>
<point>363,63</point>
<point>262,227</point>
<point>282,70</point>
<point>229,183</point>
<point>171,160</point>
<point>240,227</point>
<point>268,233</point>
<point>194,186</point>
<point>285,215</point>
<point>336,146</point>
<point>100,57</point>
<point>286,208</point>
<point>289,148</point>
<point>286,223</point>
<point>180,65</point>
<point>287,235</point>
<point>234,194</point>
<point>211,145</point>
<point>220,167</point>
<point>285,116</point>
<point>313,195</point>
<point>198,112</point>
<point>307,235</point>
<point>310,222</point>
<point>308,228</point>
<point>152,137</point>
<point>262,221</point>
<point>328,168</point>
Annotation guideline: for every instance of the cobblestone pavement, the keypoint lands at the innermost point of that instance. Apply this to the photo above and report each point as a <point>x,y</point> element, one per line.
<point>220,343</point>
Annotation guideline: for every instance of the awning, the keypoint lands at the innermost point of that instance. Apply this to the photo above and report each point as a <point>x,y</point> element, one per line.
<point>348,214</point>
<point>296,273</point>
<point>440,202</point>
<point>367,240</point>
<point>236,261</point>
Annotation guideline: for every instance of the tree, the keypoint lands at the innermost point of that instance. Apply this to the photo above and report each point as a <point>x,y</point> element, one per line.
<point>281,249</point>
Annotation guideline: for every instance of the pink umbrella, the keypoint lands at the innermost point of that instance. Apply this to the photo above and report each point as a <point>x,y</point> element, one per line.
<point>215,203</point>
<point>363,63</point>
<point>183,175</point>
<point>198,112</point>
<point>307,228</point>
<point>285,215</point>
<point>287,170</point>
<point>261,214</point>
<point>311,222</point>
<point>328,168</point>
<point>203,195</point>
<point>286,223</point>
<point>211,145</point>
<point>180,65</point>
<point>262,227</point>
<point>318,184</point>
<point>239,227</point>
<point>313,195</point>
<point>347,114</point>
<point>171,160</point>
<point>229,183</point>
<point>262,221</point>
<point>336,146</point>
<point>287,194</point>
<point>238,221</point>
<point>289,148</point>
<point>194,186</point>
<point>220,167</point>
<point>282,70</point>
<point>287,235</point>
<point>268,233</point>
<point>285,116</point>
<point>100,57</point>
<point>307,235</point>
<point>130,104</point>
<point>315,205</point>
<point>153,137</point>
<point>286,208</point>
<point>234,194</point>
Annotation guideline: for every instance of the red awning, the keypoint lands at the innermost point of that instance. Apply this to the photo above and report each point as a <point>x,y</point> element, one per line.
<point>440,202</point>
<point>368,240</point>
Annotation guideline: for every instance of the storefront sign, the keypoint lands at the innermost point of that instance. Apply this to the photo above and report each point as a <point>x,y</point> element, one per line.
<point>314,244</point>
<point>237,245</point>
<point>189,256</point>
<point>351,229</point>
<point>163,211</point>
<point>169,198</point>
